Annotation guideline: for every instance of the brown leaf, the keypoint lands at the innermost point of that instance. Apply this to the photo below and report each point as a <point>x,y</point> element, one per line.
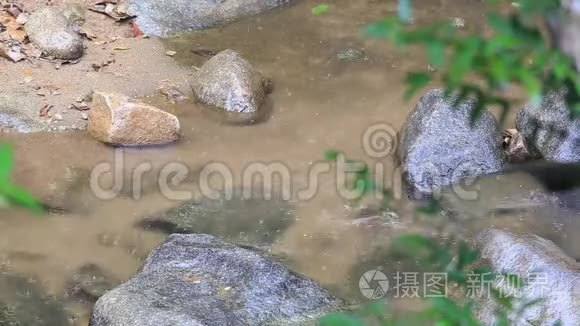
<point>17,34</point>
<point>87,33</point>
<point>205,52</point>
<point>45,109</point>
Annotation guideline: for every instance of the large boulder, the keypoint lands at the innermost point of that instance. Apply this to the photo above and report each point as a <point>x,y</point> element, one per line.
<point>550,276</point>
<point>54,34</point>
<point>549,131</point>
<point>440,146</point>
<point>117,120</point>
<point>200,280</point>
<point>167,17</point>
<point>231,85</point>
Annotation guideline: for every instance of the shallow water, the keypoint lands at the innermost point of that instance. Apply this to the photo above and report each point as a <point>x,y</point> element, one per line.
<point>318,103</point>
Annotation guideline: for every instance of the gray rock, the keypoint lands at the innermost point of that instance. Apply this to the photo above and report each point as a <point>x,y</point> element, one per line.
<point>230,84</point>
<point>200,280</point>
<point>252,222</point>
<point>549,131</point>
<point>50,30</point>
<point>549,273</point>
<point>440,147</point>
<point>22,303</point>
<point>20,114</point>
<point>167,17</point>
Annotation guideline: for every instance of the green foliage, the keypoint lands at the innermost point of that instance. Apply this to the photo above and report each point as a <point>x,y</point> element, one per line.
<point>363,180</point>
<point>320,9</point>
<point>9,192</point>
<point>515,54</point>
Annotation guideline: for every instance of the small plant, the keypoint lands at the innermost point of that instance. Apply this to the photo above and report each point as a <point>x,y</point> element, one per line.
<point>9,192</point>
<point>516,53</point>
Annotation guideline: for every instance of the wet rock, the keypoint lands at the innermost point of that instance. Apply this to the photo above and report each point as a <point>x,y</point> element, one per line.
<point>116,119</point>
<point>23,303</point>
<point>549,131</point>
<point>168,17</point>
<point>20,114</point>
<point>89,283</point>
<point>440,147</point>
<point>255,222</point>
<point>49,29</point>
<point>549,273</point>
<point>230,84</point>
<point>200,280</point>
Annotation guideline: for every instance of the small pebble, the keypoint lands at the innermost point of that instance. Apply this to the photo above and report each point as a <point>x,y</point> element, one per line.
<point>84,116</point>
<point>57,117</point>
<point>459,22</point>
<point>62,128</point>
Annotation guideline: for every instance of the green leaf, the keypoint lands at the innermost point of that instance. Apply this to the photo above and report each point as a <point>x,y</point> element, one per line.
<point>415,81</point>
<point>6,165</point>
<point>19,196</point>
<point>331,155</point>
<point>320,9</point>
<point>341,320</point>
<point>435,50</point>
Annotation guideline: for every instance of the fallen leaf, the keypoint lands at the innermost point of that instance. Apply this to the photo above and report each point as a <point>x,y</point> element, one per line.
<point>12,54</point>
<point>204,52</point>
<point>17,34</point>
<point>171,53</point>
<point>136,30</point>
<point>87,33</point>
<point>45,110</point>
<point>121,48</point>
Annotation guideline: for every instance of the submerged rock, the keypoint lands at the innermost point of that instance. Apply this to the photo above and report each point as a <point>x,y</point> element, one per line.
<point>54,34</point>
<point>230,84</point>
<point>200,280</point>
<point>23,303</point>
<point>89,283</point>
<point>115,119</point>
<point>440,147</point>
<point>549,131</point>
<point>20,114</point>
<point>549,273</point>
<point>254,222</point>
<point>168,17</point>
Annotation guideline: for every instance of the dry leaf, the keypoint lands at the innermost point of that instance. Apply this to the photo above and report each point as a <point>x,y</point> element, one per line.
<point>14,54</point>
<point>121,48</point>
<point>17,34</point>
<point>205,53</point>
<point>45,110</point>
<point>87,33</point>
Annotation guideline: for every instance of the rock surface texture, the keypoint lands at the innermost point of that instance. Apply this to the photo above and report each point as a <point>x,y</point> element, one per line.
<point>440,146</point>
<point>115,119</point>
<point>54,34</point>
<point>230,84</point>
<point>167,17</point>
<point>549,131</point>
<point>200,280</point>
<point>550,274</point>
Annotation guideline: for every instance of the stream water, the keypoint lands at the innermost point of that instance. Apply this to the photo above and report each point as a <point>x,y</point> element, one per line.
<point>318,103</point>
